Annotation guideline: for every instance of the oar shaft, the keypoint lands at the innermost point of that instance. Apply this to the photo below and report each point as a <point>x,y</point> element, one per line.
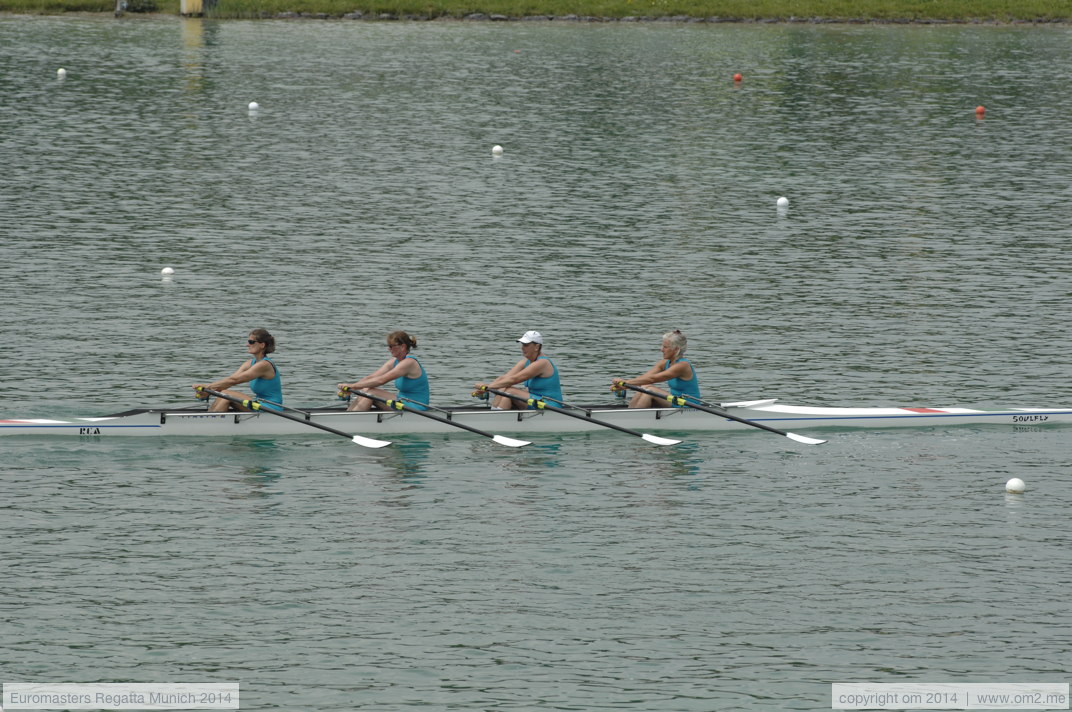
<point>399,405</point>
<point>683,400</point>
<point>541,405</point>
<point>256,406</point>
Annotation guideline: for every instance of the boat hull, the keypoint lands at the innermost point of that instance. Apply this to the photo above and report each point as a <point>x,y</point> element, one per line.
<point>179,422</point>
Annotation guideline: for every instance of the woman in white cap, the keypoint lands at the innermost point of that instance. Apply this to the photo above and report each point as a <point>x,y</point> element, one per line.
<point>536,372</point>
<point>673,369</point>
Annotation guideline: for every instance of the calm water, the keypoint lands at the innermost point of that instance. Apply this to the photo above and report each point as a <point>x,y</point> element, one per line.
<point>922,261</point>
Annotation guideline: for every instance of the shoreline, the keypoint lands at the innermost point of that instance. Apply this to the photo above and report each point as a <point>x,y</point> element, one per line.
<point>681,19</point>
<point>572,18</point>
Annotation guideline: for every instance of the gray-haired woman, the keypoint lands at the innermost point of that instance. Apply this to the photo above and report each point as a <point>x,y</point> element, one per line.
<point>673,369</point>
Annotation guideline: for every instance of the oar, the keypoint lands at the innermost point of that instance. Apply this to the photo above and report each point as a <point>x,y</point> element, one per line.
<point>682,400</point>
<point>256,406</point>
<point>541,405</point>
<point>399,405</point>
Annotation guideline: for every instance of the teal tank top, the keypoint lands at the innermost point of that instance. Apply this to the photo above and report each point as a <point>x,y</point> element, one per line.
<point>268,389</point>
<point>545,387</point>
<point>681,387</point>
<point>413,389</point>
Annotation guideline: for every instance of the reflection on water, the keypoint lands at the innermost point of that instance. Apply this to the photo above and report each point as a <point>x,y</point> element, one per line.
<point>193,41</point>
<point>406,458</point>
<point>684,460</point>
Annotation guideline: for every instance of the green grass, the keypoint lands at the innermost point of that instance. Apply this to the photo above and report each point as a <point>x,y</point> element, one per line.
<point>744,10</point>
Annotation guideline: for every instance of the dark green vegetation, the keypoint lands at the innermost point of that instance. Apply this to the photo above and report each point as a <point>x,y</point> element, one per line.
<point>710,10</point>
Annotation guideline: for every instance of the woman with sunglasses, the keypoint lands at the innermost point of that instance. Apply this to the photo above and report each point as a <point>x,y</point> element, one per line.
<point>405,370</point>
<point>259,371</point>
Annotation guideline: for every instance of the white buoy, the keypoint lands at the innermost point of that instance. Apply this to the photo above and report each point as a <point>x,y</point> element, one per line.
<point>253,106</point>
<point>496,150</point>
<point>167,271</point>
<point>61,72</point>
<point>783,202</point>
<point>1015,486</point>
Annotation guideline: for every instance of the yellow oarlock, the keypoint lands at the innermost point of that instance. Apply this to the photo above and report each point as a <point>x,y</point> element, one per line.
<point>677,400</point>
<point>538,403</point>
<point>252,404</point>
<point>397,405</point>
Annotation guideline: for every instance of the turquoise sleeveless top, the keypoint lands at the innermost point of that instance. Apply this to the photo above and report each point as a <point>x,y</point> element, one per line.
<point>545,387</point>
<point>268,389</point>
<point>413,389</point>
<point>681,387</point>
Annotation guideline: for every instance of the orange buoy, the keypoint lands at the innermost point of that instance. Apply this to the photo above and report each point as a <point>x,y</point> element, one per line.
<point>737,77</point>
<point>980,110</point>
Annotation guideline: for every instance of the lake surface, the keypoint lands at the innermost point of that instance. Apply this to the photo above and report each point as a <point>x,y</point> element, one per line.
<point>923,260</point>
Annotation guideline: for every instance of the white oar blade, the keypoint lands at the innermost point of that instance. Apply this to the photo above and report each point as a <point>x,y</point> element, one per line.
<point>802,439</point>
<point>659,441</point>
<point>510,442</point>
<point>370,442</point>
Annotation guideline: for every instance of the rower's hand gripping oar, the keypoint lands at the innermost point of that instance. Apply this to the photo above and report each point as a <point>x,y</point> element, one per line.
<point>399,405</point>
<point>542,405</point>
<point>683,400</point>
<point>257,406</point>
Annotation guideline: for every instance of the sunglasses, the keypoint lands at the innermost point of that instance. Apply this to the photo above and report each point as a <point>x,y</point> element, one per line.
<point>252,341</point>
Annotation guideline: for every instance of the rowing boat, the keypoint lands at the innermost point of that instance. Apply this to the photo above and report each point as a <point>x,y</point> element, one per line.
<point>195,421</point>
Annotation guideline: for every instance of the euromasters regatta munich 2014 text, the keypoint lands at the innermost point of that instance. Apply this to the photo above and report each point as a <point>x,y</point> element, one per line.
<point>104,699</point>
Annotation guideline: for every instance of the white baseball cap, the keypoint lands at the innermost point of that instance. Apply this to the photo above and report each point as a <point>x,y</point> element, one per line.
<point>531,337</point>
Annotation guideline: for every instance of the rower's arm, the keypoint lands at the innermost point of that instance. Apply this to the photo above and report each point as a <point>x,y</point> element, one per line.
<point>657,374</point>
<point>244,374</point>
<point>404,368</point>
<point>373,379</point>
<point>520,372</point>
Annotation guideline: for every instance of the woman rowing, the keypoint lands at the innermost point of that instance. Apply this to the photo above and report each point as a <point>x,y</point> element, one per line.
<point>673,369</point>
<point>405,370</point>
<point>537,372</point>
<point>259,372</point>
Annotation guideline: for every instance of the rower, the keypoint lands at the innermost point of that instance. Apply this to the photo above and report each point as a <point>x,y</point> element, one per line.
<point>673,369</point>
<point>259,371</point>
<point>402,368</point>
<point>537,372</point>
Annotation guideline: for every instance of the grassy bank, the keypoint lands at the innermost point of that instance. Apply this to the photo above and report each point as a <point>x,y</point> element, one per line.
<point>725,10</point>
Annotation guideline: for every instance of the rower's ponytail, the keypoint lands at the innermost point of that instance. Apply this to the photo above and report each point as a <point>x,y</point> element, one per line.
<point>401,337</point>
<point>265,338</point>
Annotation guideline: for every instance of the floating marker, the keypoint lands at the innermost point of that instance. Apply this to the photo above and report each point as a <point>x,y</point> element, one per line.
<point>253,106</point>
<point>783,202</point>
<point>980,110</point>
<point>737,77</point>
<point>1015,486</point>
<point>496,150</point>
<point>167,271</point>
<point>61,72</point>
